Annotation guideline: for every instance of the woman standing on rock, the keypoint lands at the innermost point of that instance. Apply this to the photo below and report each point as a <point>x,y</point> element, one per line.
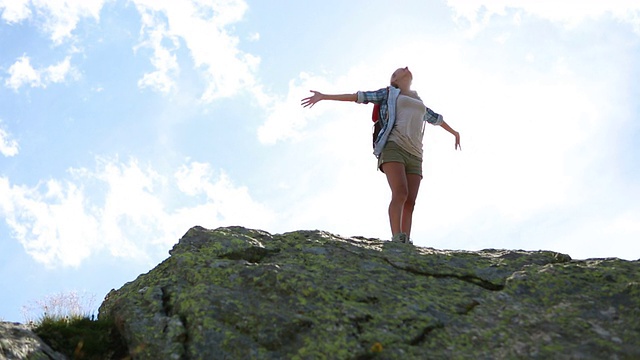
<point>398,146</point>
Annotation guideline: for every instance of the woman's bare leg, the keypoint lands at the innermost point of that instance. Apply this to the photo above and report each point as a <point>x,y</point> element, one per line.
<point>399,192</point>
<point>413,185</point>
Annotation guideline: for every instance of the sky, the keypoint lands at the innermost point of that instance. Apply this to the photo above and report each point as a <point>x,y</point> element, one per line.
<point>125,123</point>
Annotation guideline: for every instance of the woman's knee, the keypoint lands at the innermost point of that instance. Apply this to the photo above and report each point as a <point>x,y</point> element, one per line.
<point>409,204</point>
<point>400,194</point>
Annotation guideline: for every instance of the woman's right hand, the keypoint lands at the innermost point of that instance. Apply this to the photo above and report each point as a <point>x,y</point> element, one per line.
<point>313,99</point>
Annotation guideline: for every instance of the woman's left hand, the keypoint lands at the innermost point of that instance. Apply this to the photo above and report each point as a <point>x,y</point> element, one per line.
<point>457,135</point>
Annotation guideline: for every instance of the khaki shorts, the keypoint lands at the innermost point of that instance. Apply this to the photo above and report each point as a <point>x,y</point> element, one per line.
<point>392,152</point>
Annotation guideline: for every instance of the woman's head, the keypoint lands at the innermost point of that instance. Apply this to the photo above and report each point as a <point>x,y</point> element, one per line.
<point>400,76</point>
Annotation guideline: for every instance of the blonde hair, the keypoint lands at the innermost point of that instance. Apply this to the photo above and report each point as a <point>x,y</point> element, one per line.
<point>391,82</point>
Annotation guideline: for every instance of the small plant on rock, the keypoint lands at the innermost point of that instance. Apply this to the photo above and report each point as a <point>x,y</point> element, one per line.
<point>83,338</point>
<point>66,325</point>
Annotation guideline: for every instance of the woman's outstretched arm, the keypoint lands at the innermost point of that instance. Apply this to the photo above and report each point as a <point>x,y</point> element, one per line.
<point>317,96</point>
<point>446,126</point>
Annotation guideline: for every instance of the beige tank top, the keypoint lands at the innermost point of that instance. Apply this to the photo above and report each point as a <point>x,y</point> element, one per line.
<point>408,129</point>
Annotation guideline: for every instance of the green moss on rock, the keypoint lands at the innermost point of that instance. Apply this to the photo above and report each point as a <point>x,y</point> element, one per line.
<point>242,293</point>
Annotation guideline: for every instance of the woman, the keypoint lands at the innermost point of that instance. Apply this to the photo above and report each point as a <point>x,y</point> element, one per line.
<point>398,146</point>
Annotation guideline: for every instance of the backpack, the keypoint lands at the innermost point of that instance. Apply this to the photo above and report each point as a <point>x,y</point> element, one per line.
<point>377,124</point>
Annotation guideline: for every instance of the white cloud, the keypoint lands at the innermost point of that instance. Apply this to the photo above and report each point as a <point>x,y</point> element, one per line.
<point>224,202</point>
<point>122,208</point>
<point>286,119</point>
<point>203,27</point>
<point>14,11</point>
<point>58,73</point>
<point>603,235</point>
<point>569,12</point>
<point>52,225</point>
<point>8,146</point>
<point>254,37</point>
<point>334,184</point>
<point>62,16</point>
<point>163,60</point>
<point>59,17</point>
<point>22,73</point>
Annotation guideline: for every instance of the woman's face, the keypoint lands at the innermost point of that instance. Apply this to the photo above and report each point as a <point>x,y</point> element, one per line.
<point>401,74</point>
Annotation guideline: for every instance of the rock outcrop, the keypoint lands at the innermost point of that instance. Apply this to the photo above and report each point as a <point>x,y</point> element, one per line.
<point>236,293</point>
<point>17,341</point>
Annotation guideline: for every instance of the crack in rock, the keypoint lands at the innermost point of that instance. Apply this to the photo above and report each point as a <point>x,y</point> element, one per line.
<point>471,279</point>
<point>420,338</point>
<point>167,309</point>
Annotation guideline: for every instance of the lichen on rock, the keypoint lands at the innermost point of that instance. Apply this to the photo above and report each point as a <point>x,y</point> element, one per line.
<point>18,341</point>
<point>236,293</point>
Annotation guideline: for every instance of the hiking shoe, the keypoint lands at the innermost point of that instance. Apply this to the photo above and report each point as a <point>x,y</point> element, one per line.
<point>401,238</point>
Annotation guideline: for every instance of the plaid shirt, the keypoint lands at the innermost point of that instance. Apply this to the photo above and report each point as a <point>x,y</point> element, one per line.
<point>387,98</point>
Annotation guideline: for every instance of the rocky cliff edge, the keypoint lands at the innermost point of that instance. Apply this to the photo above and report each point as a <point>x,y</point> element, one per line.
<point>236,293</point>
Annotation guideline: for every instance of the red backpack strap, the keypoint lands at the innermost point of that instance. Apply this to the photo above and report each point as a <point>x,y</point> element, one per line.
<point>375,115</point>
